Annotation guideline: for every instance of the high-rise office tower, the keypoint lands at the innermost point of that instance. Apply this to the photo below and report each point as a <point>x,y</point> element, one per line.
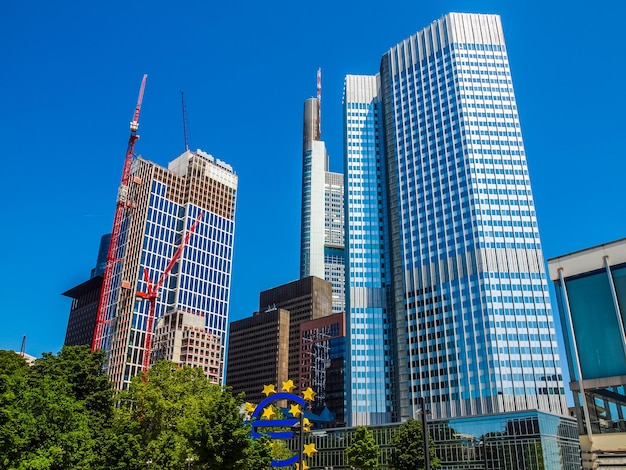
<point>369,367</point>
<point>164,203</point>
<point>258,353</point>
<point>448,297</point>
<point>305,299</point>
<point>322,357</point>
<point>85,297</point>
<point>322,224</point>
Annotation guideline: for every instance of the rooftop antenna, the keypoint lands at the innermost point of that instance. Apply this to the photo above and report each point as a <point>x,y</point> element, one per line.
<point>319,100</point>
<point>23,348</point>
<point>182,96</point>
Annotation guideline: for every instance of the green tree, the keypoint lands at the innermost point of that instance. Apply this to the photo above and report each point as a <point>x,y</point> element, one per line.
<point>408,448</point>
<point>181,415</point>
<point>53,414</point>
<point>363,453</point>
<point>60,414</point>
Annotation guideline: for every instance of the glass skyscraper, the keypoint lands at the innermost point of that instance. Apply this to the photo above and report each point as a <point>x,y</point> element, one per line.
<point>322,224</point>
<point>370,375</point>
<point>166,202</point>
<point>448,297</point>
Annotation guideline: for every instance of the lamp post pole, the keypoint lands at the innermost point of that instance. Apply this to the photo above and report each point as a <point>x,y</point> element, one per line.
<point>301,444</point>
<point>425,433</point>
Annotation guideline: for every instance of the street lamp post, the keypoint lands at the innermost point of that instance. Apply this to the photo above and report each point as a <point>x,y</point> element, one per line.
<point>300,427</point>
<point>189,461</point>
<point>301,440</point>
<point>422,404</point>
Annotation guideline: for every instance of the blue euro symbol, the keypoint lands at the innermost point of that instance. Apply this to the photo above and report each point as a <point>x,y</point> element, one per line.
<point>258,424</point>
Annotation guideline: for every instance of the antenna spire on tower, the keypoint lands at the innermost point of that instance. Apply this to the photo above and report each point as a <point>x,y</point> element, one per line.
<point>319,100</point>
<point>182,96</point>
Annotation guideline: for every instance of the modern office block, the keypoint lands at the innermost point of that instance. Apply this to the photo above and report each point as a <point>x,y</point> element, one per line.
<point>523,440</point>
<point>371,382</point>
<point>591,292</point>
<point>448,297</point>
<point>82,319</point>
<point>84,308</point>
<point>182,337</point>
<point>305,299</point>
<point>163,205</point>
<point>322,224</point>
<point>322,356</point>
<point>258,353</point>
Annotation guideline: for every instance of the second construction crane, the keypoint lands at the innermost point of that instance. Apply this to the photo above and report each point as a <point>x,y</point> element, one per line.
<point>153,288</point>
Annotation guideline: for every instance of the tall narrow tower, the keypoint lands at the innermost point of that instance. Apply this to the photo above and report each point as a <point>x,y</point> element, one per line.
<point>466,321</point>
<point>322,223</point>
<point>195,296</point>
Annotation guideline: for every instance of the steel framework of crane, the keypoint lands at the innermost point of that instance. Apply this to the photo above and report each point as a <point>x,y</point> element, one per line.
<point>152,291</point>
<point>123,204</point>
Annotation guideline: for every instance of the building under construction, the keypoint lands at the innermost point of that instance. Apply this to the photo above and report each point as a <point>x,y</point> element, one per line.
<point>168,264</point>
<point>164,203</point>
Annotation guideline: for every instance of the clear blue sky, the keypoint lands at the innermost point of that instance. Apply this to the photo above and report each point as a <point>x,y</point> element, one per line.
<point>69,76</point>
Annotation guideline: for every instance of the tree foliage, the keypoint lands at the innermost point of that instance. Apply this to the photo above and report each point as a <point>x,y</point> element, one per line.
<point>363,453</point>
<point>408,448</point>
<point>61,413</point>
<point>53,414</point>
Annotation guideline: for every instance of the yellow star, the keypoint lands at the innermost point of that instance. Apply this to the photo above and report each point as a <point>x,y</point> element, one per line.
<point>306,422</point>
<point>304,466</point>
<point>288,386</point>
<point>267,389</point>
<point>309,450</point>
<point>295,410</point>
<point>268,412</point>
<point>309,394</point>
<point>249,407</point>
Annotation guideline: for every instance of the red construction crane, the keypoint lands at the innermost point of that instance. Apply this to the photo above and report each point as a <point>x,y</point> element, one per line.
<point>122,204</point>
<point>152,291</point>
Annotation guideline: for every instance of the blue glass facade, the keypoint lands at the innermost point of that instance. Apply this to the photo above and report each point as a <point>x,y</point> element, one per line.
<point>523,440</point>
<point>369,377</point>
<point>165,205</point>
<point>469,298</point>
<point>322,222</point>
<point>591,293</point>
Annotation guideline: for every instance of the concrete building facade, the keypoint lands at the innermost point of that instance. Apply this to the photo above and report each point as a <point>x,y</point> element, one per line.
<point>182,337</point>
<point>306,299</point>
<point>258,353</point>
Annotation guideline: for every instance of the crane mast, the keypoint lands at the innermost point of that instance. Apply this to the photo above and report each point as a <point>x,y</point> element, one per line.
<point>152,291</point>
<point>122,204</point>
